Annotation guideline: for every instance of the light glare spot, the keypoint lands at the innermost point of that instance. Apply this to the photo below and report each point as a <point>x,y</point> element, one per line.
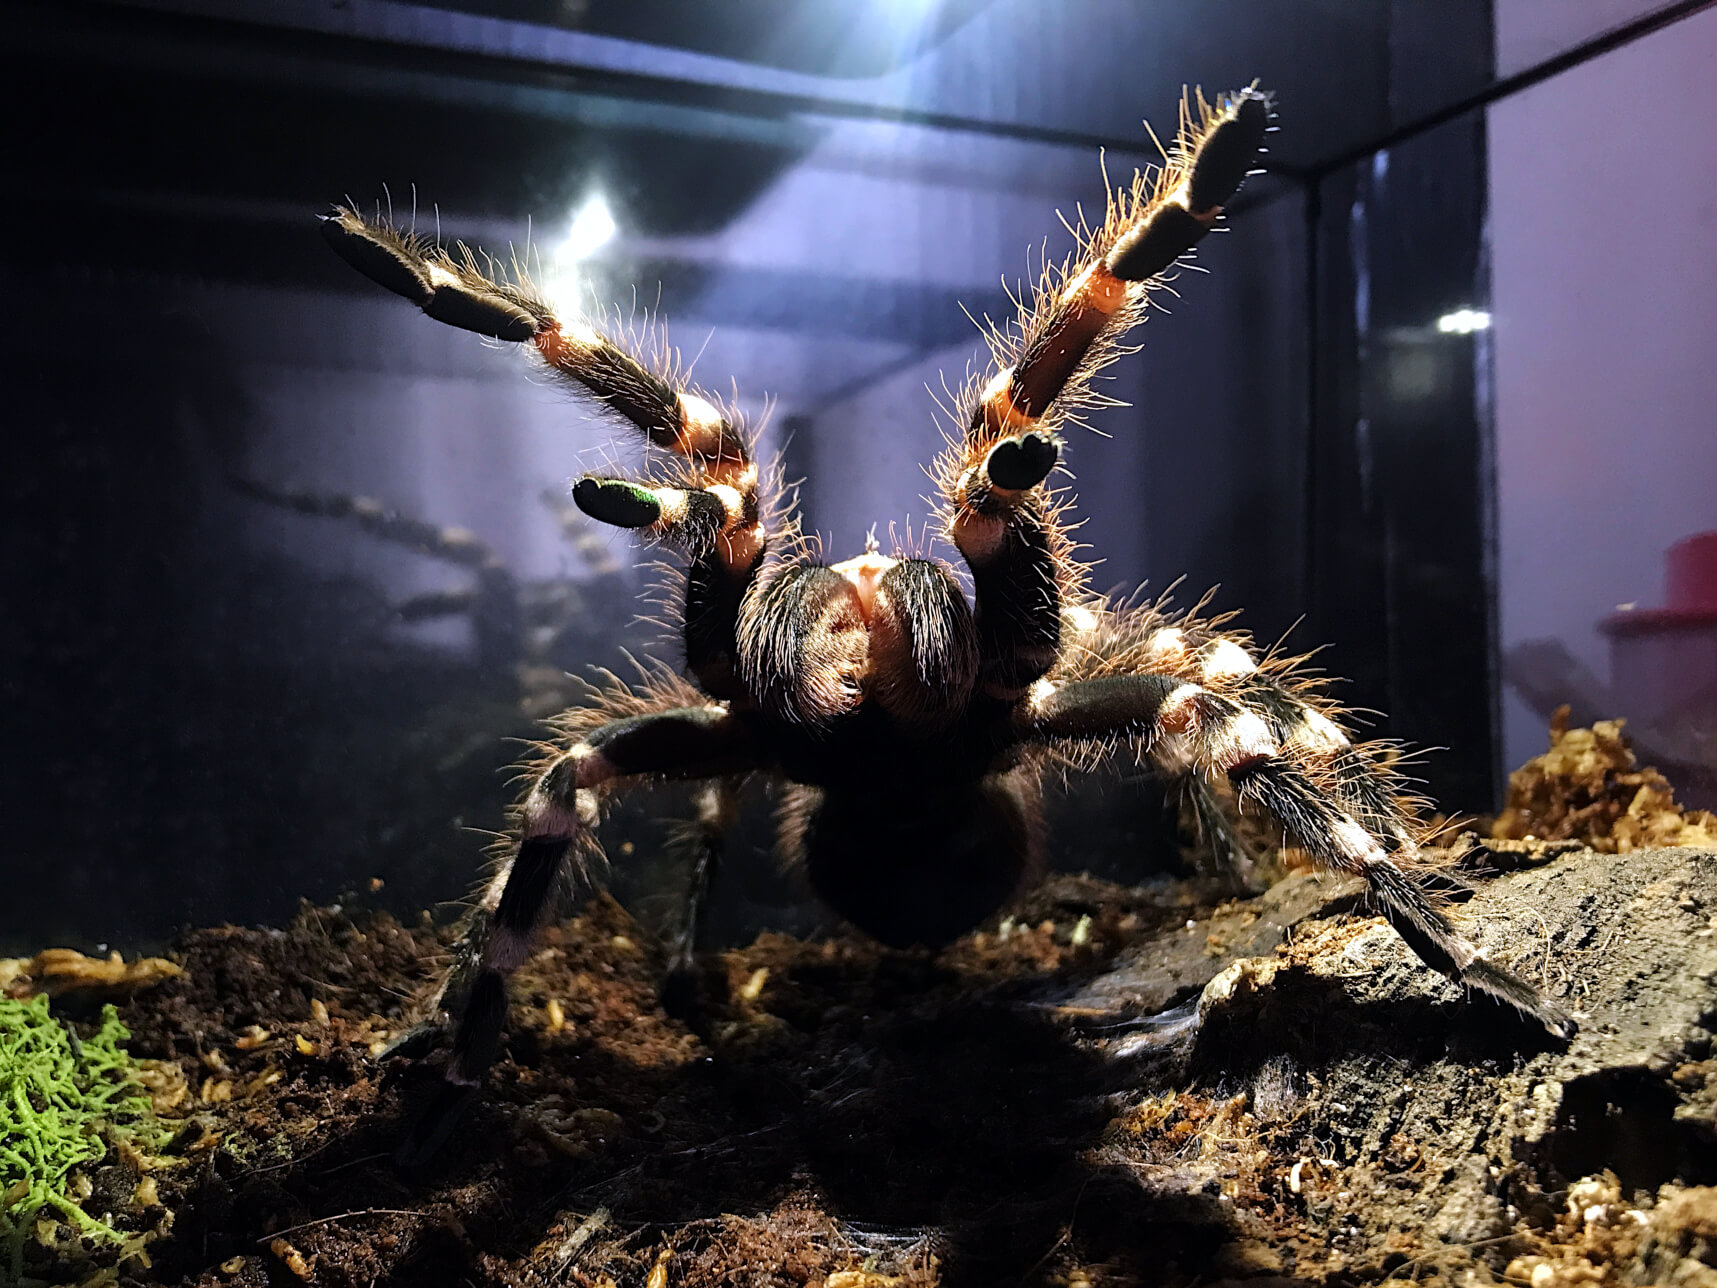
<point>592,228</point>
<point>1464,322</point>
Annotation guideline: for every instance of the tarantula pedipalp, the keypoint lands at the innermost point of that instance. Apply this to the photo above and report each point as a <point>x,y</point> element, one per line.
<point>875,679</point>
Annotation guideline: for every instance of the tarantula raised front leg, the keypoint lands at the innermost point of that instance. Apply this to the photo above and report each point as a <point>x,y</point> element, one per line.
<point>999,516</point>
<point>709,508</point>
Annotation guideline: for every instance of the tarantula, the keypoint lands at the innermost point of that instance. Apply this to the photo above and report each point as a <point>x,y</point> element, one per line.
<point>875,680</point>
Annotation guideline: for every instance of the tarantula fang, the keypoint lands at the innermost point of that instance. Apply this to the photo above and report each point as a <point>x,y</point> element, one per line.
<point>876,678</point>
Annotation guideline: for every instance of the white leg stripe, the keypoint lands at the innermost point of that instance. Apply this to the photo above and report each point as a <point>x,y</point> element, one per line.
<point>1224,660</point>
<point>674,503</point>
<point>1356,843</point>
<point>1180,709</point>
<point>1040,692</point>
<point>1318,734</point>
<point>588,811</point>
<point>698,413</point>
<point>550,820</point>
<point>1166,647</point>
<point>730,500</point>
<point>1241,739</point>
<point>1078,618</point>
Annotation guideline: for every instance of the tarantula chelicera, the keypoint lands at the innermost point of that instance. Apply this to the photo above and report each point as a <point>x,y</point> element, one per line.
<point>876,680</point>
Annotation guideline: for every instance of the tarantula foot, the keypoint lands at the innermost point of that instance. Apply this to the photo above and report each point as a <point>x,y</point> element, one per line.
<point>1023,462</point>
<point>683,996</point>
<point>691,994</point>
<point>414,1043</point>
<point>434,1123</point>
<point>408,266</point>
<point>1230,152</point>
<point>381,255</point>
<point>1514,992</point>
<point>617,502</point>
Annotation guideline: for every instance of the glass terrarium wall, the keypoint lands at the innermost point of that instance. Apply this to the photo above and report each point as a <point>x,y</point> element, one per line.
<point>229,687</point>
<point>1603,231</point>
<point>1395,486</point>
<point>1510,456</point>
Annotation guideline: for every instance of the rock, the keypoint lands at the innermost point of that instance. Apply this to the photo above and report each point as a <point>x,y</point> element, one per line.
<point>1439,1130</point>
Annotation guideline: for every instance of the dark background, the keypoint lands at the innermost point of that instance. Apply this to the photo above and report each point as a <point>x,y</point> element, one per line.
<point>211,708</point>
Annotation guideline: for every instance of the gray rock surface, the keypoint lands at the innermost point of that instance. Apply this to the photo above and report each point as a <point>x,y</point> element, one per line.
<point>1364,1119</point>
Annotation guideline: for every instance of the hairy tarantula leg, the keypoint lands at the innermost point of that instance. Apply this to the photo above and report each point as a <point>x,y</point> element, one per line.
<point>1187,725</point>
<point>557,817</point>
<point>1004,527</point>
<point>455,291</point>
<point>705,836</point>
<point>1359,777</point>
<point>1019,559</point>
<point>1332,836</point>
<point>1368,788</point>
<point>1233,862</point>
<point>716,519</point>
<point>671,417</point>
<point>720,529</point>
<point>455,545</point>
<point>1211,160</point>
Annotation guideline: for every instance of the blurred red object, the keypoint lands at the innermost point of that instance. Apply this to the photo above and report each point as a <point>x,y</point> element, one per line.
<point>1690,577</point>
<point>1663,661</point>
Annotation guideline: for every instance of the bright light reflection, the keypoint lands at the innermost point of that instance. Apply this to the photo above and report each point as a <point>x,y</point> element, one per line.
<point>592,228</point>
<point>1464,322</point>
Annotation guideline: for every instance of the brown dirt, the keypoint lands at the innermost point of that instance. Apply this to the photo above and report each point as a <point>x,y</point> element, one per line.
<point>1111,1086</point>
<point>1588,786</point>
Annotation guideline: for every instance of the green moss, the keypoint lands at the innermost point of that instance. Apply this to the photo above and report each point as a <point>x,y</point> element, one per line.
<point>62,1101</point>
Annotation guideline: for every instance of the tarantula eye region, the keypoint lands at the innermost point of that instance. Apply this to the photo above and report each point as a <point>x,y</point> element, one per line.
<point>864,573</point>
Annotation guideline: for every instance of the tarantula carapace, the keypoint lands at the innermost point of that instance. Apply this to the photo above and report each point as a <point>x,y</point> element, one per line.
<point>911,727</point>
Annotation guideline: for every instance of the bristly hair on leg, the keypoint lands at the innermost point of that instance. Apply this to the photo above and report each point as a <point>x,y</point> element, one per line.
<point>1175,184</point>
<point>606,698</point>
